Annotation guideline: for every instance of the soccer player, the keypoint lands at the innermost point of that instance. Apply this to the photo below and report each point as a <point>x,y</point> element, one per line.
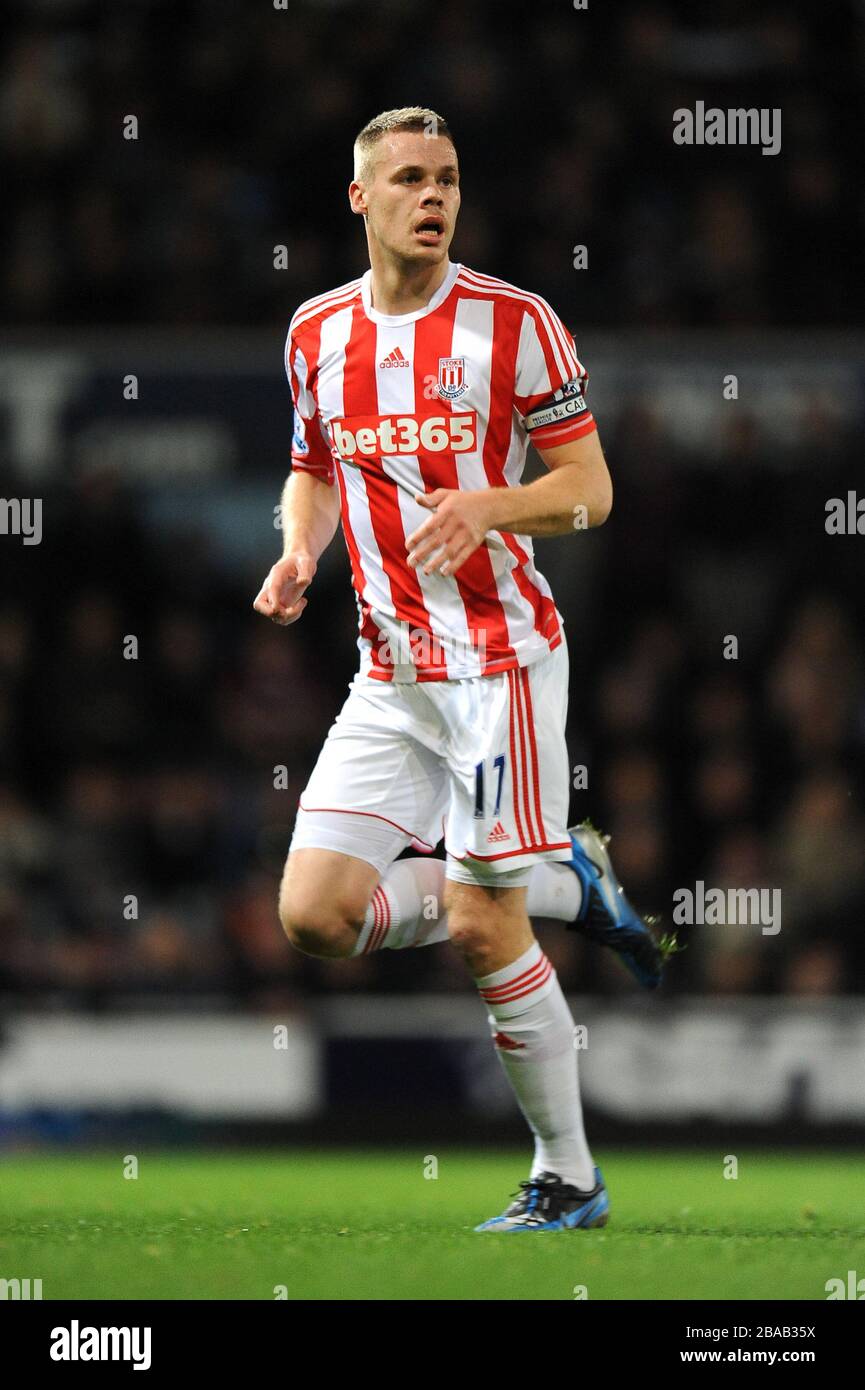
<point>416,391</point>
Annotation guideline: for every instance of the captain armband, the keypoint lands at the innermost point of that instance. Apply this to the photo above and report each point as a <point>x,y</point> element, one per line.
<point>568,403</point>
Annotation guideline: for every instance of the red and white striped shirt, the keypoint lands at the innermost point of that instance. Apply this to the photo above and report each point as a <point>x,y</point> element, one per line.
<point>393,405</point>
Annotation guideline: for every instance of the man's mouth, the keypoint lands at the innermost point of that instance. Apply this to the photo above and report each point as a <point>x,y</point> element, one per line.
<point>431,229</point>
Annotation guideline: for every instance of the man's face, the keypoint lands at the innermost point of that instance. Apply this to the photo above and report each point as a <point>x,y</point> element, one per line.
<point>411,196</point>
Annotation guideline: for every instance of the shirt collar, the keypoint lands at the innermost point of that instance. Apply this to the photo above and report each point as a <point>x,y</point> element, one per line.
<point>397,320</point>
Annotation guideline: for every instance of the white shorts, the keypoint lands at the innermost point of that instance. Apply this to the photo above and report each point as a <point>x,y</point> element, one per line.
<point>482,761</point>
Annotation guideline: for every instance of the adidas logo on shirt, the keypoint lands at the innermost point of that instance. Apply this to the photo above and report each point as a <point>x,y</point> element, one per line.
<point>497,834</point>
<point>395,359</point>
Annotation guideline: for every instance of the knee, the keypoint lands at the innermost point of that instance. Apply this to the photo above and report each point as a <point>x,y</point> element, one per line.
<point>475,941</point>
<point>471,919</point>
<point>488,925</point>
<point>318,929</point>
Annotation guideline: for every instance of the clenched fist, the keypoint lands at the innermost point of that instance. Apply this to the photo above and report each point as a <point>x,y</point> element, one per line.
<point>281,593</point>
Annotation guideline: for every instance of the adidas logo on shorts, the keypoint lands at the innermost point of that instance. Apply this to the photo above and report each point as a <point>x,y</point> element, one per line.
<point>497,834</point>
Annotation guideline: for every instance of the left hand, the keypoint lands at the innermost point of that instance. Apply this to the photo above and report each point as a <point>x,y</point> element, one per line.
<point>459,523</point>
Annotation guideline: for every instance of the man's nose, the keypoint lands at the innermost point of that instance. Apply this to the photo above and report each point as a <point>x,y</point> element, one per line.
<point>432,195</point>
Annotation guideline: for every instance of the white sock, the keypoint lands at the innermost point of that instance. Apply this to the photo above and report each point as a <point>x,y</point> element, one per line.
<point>406,907</point>
<point>533,1031</point>
<point>554,891</point>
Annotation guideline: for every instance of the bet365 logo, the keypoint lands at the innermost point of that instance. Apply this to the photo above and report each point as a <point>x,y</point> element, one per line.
<point>854,1288</point>
<point>374,436</point>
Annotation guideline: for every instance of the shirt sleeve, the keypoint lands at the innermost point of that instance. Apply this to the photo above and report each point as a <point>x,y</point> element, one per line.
<point>549,389</point>
<point>310,450</point>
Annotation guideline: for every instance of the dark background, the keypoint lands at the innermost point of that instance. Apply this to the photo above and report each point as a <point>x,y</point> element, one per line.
<point>563,122</point>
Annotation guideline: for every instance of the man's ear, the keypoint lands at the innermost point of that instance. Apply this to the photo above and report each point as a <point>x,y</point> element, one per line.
<point>357,198</point>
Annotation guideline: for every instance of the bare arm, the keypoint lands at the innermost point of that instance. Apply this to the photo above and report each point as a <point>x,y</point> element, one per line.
<point>576,493</point>
<point>310,516</point>
<point>578,479</point>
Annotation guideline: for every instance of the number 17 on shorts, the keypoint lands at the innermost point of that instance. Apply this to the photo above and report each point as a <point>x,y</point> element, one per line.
<point>510,806</point>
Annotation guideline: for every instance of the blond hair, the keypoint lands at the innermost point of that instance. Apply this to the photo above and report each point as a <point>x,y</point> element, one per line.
<point>416,118</point>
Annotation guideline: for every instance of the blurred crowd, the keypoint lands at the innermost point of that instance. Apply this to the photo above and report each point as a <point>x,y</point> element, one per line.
<point>563,119</point>
<point>155,734</point>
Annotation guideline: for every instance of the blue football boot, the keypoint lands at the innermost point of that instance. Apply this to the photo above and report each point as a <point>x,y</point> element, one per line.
<point>605,914</point>
<point>545,1203</point>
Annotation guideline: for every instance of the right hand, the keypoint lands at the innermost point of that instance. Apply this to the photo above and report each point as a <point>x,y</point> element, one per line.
<point>280,597</point>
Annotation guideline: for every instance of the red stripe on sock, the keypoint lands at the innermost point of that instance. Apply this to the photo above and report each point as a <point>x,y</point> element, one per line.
<point>380,921</point>
<point>492,992</point>
<point>386,904</point>
<point>385,918</point>
<point>374,905</point>
<point>528,988</point>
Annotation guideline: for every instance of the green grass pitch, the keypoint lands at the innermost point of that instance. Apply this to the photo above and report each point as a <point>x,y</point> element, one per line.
<point>369,1225</point>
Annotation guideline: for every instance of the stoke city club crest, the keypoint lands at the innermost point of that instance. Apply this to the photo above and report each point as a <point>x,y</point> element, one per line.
<point>452,378</point>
